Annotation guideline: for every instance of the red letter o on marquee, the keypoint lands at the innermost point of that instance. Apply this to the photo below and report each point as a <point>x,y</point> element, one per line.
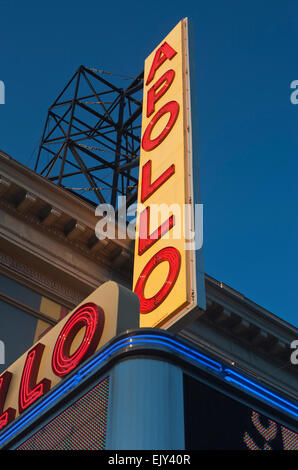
<point>149,144</point>
<point>92,318</point>
<point>173,257</point>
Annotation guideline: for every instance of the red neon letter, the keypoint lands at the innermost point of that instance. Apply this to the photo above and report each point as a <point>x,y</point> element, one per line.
<point>163,53</point>
<point>149,188</point>
<point>7,416</point>
<point>29,390</point>
<point>149,144</point>
<point>153,95</point>
<point>88,316</point>
<point>145,239</point>
<point>172,256</point>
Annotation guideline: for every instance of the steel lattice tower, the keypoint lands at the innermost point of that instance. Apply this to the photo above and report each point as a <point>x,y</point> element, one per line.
<point>91,138</point>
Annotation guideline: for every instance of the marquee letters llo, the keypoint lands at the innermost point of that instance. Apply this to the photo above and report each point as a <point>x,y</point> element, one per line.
<point>88,316</point>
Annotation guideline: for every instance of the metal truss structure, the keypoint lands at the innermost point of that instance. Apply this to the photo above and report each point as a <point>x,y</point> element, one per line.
<point>91,138</point>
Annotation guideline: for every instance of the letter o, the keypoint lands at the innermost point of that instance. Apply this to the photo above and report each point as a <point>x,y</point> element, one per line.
<point>92,318</point>
<point>149,144</point>
<point>172,256</point>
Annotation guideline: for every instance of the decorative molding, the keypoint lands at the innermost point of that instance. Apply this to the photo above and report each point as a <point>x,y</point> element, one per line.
<point>36,279</point>
<point>71,237</point>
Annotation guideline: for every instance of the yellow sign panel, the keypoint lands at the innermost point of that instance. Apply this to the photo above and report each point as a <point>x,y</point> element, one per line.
<point>164,266</point>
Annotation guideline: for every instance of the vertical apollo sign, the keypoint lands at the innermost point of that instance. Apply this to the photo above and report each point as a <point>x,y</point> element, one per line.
<point>168,265</point>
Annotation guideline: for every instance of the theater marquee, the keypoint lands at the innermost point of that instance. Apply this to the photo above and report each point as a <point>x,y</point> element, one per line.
<point>104,314</point>
<point>168,267</point>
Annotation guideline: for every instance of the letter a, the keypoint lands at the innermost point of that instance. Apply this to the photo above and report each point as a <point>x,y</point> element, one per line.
<point>162,54</point>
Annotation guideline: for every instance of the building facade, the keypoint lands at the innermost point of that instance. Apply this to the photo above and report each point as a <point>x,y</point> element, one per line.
<point>228,369</point>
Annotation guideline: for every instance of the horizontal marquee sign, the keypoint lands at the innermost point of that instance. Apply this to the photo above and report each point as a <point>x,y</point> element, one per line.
<point>108,311</point>
<point>168,268</point>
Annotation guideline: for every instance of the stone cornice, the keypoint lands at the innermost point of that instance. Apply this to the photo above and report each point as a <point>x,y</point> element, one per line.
<point>60,214</point>
<point>37,280</point>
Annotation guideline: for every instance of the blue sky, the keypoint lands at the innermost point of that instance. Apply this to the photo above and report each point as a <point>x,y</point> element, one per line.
<point>245,57</point>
